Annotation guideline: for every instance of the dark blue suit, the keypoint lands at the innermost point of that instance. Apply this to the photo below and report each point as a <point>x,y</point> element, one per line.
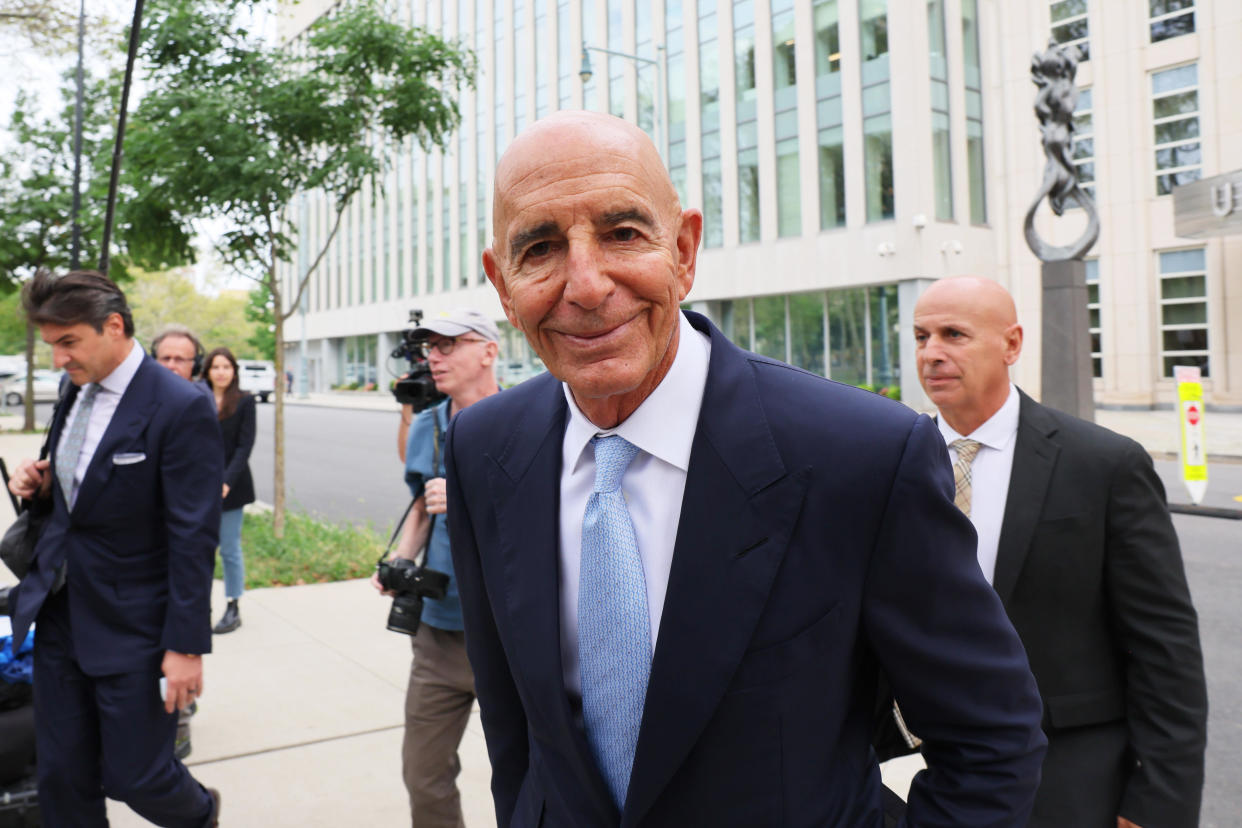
<point>140,546</point>
<point>818,542</point>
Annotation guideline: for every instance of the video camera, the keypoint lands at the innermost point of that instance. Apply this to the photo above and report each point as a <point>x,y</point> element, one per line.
<point>417,388</point>
<point>412,582</point>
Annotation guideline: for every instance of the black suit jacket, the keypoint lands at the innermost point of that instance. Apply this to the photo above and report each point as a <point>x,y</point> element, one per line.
<point>1089,569</point>
<point>237,429</point>
<point>818,542</point>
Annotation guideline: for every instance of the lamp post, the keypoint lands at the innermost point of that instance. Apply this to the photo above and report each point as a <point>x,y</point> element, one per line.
<point>660,62</point>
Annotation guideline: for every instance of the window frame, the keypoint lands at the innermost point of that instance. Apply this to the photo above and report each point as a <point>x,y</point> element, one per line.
<point>1156,146</point>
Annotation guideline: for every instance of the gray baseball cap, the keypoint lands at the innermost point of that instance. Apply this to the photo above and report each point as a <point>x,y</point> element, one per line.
<point>459,321</point>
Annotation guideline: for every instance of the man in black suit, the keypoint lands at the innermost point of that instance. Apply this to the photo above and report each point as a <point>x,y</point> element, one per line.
<point>682,565</point>
<point>121,577</point>
<point>1075,536</point>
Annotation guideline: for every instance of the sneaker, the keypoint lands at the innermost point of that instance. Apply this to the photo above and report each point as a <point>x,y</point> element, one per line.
<point>230,621</point>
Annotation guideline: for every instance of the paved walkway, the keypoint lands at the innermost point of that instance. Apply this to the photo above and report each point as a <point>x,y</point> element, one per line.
<point>301,721</point>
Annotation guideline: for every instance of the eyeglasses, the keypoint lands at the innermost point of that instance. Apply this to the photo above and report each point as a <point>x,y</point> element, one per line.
<point>445,345</point>
<point>174,360</point>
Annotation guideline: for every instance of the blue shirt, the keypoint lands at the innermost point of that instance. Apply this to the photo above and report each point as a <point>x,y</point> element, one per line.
<point>424,459</point>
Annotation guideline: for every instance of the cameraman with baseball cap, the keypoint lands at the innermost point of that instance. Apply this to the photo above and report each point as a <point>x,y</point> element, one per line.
<point>461,348</point>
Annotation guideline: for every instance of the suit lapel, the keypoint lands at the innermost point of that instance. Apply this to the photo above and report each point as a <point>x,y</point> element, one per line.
<point>737,515</point>
<point>131,416</point>
<point>520,479</point>
<point>1034,457</point>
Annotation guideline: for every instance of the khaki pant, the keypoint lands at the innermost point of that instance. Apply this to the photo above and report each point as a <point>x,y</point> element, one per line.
<point>437,705</point>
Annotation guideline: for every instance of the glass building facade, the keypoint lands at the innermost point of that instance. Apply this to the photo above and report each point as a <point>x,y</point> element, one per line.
<point>843,158</point>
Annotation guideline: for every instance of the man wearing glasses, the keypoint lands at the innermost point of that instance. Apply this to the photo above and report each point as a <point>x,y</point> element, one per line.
<point>178,349</point>
<point>461,350</point>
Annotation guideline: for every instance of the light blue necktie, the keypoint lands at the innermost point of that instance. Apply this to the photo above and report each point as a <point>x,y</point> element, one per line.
<point>71,447</point>
<point>614,629</point>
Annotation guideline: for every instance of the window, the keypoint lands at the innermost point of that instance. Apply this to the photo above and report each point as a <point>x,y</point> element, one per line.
<point>1084,143</point>
<point>1093,313</point>
<point>769,328</point>
<point>1069,26</point>
<point>564,55</point>
<point>543,58</point>
<point>501,76</point>
<point>1183,310</point>
<point>828,115</point>
<point>674,39</point>
<point>616,65</point>
<point>522,64</point>
<point>876,105</point>
<point>709,104</point>
<point>747,121</point>
<point>785,98</point>
<point>942,149</point>
<point>1170,18</point>
<point>646,73</point>
<point>1175,120</point>
<point>974,111</point>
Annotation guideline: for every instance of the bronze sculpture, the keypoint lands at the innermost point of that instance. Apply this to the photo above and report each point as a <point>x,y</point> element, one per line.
<point>1053,72</point>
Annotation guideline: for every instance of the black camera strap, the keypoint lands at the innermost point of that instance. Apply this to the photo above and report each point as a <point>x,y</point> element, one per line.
<point>431,528</point>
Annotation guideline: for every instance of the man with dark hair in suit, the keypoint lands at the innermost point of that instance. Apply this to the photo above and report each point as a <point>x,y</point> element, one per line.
<point>1075,535</point>
<point>682,566</point>
<point>121,577</point>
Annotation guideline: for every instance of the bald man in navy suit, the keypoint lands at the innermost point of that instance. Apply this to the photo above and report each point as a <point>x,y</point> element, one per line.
<point>682,566</point>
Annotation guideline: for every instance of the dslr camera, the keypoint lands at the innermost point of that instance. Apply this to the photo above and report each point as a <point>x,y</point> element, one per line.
<point>412,582</point>
<point>417,388</point>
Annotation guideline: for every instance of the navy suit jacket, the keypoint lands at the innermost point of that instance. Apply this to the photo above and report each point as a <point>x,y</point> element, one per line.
<point>818,542</point>
<point>140,540</point>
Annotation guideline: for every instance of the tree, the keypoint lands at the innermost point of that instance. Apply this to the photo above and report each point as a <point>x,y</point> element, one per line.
<point>36,192</point>
<point>170,296</point>
<point>231,128</point>
<point>48,26</point>
<point>259,311</point>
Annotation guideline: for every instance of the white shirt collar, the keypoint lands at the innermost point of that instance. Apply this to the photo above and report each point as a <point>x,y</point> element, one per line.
<point>999,429</point>
<point>663,425</point>
<point>123,374</point>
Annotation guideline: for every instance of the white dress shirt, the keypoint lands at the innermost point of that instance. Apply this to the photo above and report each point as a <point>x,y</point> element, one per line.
<point>989,475</point>
<point>663,428</point>
<point>107,399</point>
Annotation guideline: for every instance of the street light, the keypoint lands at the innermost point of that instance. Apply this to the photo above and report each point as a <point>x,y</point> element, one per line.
<point>660,63</point>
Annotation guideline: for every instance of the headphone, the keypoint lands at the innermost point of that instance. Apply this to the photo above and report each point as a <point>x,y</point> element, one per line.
<point>181,330</point>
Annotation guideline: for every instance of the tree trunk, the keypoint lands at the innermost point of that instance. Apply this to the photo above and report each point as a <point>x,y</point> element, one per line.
<point>278,439</point>
<point>29,424</point>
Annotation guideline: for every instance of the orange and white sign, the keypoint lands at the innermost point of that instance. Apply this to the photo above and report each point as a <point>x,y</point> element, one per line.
<point>1190,422</point>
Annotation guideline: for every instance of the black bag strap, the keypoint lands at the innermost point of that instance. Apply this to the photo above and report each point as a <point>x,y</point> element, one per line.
<point>44,450</point>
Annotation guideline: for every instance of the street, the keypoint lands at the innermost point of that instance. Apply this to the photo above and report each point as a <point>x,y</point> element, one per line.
<point>341,464</point>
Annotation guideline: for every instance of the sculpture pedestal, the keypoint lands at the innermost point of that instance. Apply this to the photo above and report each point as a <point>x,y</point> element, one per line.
<point>1066,354</point>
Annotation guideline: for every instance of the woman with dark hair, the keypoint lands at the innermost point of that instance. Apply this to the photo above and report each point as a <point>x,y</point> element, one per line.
<point>235,410</point>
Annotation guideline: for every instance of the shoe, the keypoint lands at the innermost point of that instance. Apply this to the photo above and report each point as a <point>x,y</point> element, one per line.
<point>181,745</point>
<point>214,820</point>
<point>230,621</point>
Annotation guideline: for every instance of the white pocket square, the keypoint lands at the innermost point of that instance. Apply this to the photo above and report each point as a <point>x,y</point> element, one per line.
<point>128,458</point>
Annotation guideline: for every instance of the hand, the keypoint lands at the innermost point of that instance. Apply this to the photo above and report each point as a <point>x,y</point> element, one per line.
<point>375,582</point>
<point>31,478</point>
<point>435,496</point>
<point>183,676</point>
<point>1122,822</point>
<point>226,491</point>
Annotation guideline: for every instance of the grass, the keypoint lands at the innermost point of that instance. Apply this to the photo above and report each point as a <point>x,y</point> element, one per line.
<point>311,551</point>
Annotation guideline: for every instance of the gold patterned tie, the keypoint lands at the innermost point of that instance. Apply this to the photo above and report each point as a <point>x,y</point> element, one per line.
<point>966,451</point>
